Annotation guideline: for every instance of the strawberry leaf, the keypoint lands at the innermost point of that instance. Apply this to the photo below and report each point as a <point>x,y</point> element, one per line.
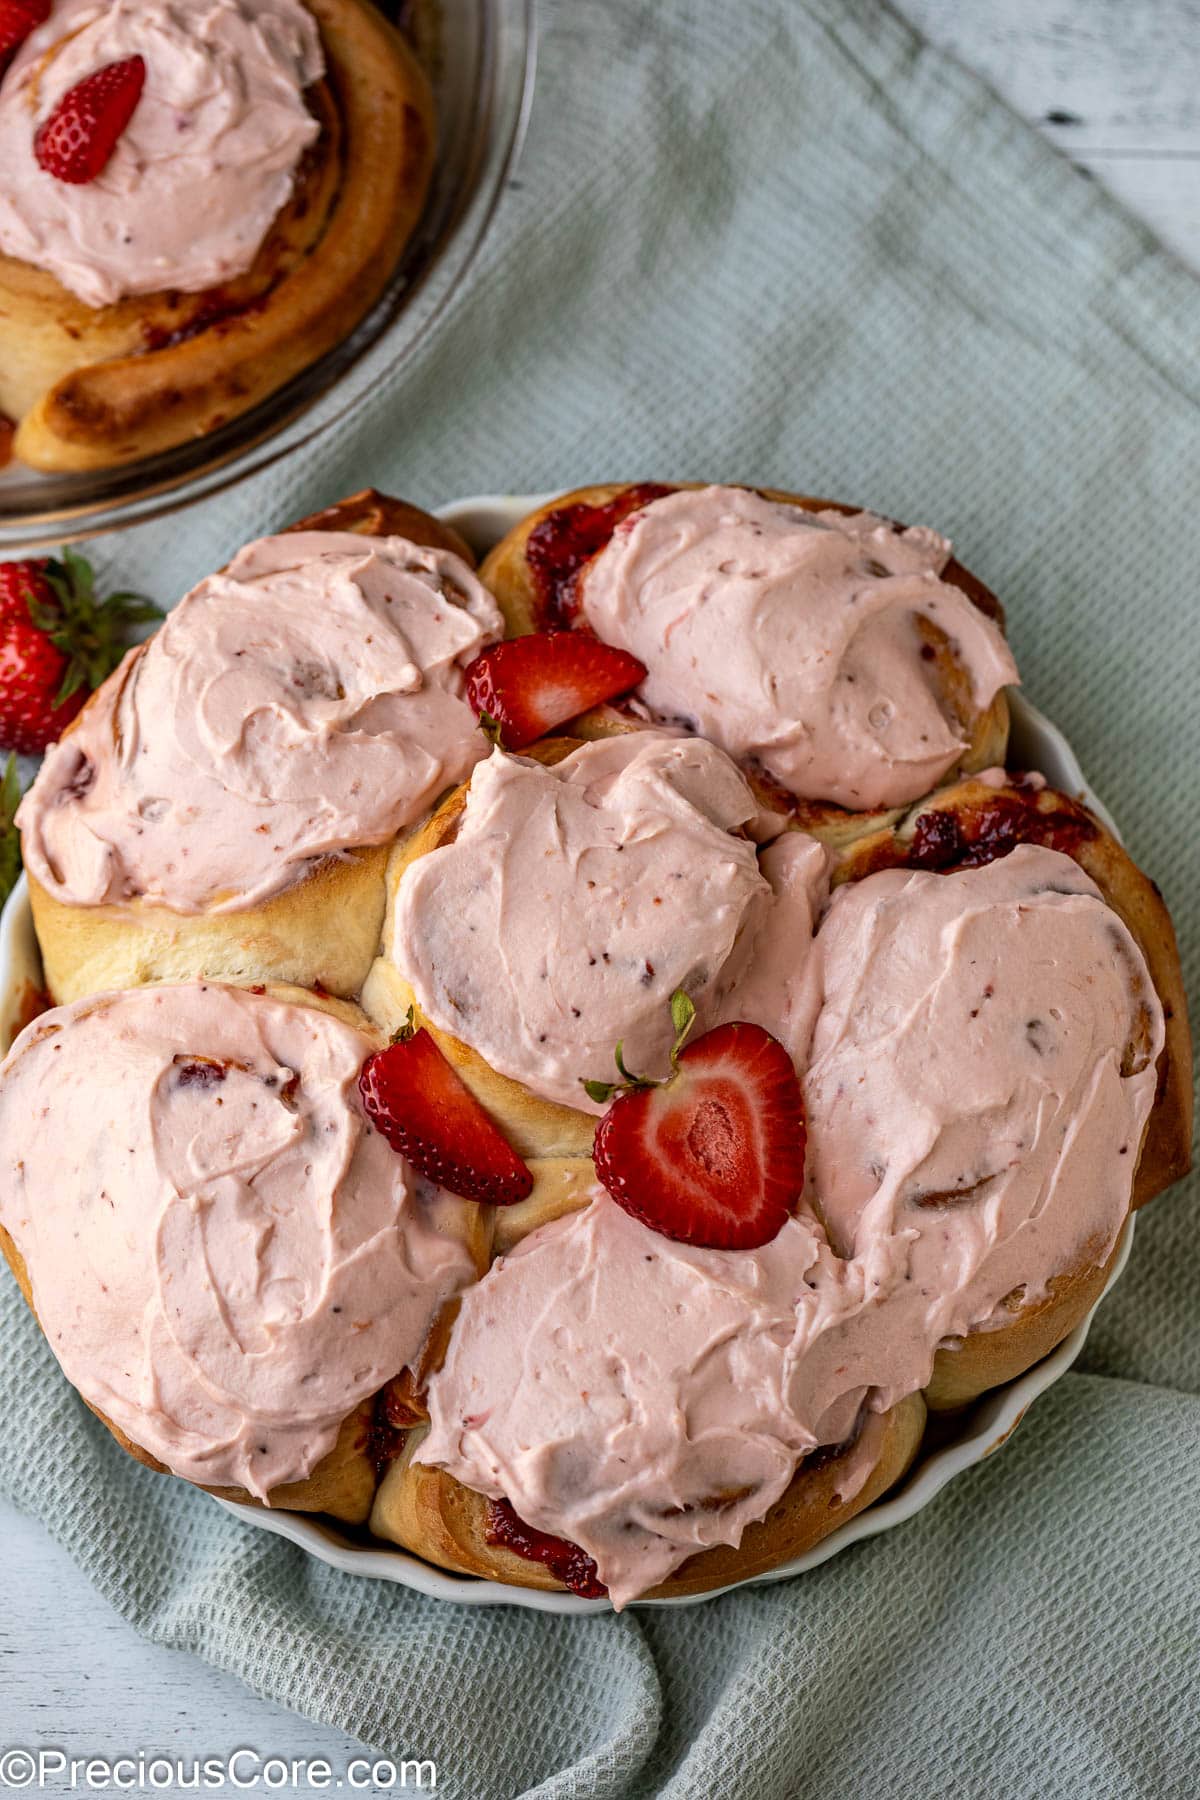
<point>92,634</point>
<point>407,1030</point>
<point>10,846</point>
<point>683,1017</point>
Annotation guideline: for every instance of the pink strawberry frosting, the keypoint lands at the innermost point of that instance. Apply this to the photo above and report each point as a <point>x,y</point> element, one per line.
<point>575,900</point>
<point>225,1258</point>
<point>972,1108</point>
<point>617,1387</point>
<point>308,699</point>
<point>204,165</point>
<point>791,639</point>
<point>981,1072</point>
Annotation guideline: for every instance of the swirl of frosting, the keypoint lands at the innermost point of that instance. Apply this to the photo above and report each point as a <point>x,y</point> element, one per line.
<point>575,899</point>
<point>982,1069</point>
<point>306,700</point>
<point>224,1257</point>
<point>791,639</point>
<point>205,163</point>
<point>640,1397</point>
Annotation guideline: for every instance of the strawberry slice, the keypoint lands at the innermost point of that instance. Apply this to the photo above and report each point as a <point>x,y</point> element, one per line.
<point>530,685</point>
<point>76,141</point>
<point>713,1156</point>
<point>428,1114</point>
<point>18,18</point>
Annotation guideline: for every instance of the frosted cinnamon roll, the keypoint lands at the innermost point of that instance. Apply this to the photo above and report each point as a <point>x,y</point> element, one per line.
<point>847,664</point>
<point>1001,1064</point>
<point>224,803</point>
<point>549,910</point>
<point>227,1261</point>
<point>224,207</point>
<point>681,1418</point>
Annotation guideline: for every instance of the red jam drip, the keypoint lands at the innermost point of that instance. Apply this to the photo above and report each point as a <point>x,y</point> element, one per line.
<point>565,1561</point>
<point>217,311</point>
<point>948,840</point>
<point>564,540</point>
<point>388,1428</point>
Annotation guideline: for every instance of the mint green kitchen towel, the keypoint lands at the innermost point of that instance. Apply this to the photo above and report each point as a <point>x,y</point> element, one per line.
<point>786,242</point>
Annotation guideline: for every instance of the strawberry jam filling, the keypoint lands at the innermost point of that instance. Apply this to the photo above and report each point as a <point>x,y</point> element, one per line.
<point>565,1561</point>
<point>392,1418</point>
<point>968,840</point>
<point>561,543</point>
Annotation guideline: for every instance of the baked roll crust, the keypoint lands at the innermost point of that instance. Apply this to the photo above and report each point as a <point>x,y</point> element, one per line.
<point>528,603</point>
<point>427,1511</point>
<point>95,387</point>
<point>322,931</point>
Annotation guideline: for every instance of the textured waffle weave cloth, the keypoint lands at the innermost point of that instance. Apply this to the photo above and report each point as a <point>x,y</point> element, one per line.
<point>787,242</point>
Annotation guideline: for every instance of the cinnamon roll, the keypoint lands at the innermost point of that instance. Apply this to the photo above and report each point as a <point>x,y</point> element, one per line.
<point>848,664</point>
<point>227,1261</point>
<point>248,217</point>
<point>548,910</point>
<point>224,803</point>
<point>1058,870</point>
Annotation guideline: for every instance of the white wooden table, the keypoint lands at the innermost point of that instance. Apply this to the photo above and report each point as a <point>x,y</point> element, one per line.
<point>1116,85</point>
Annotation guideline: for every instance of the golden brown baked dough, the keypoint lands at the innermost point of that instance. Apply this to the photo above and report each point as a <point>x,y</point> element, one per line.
<point>344,1481</point>
<point>93,387</point>
<point>507,571</point>
<point>322,931</point>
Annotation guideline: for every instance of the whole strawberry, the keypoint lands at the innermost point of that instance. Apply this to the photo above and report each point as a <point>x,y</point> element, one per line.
<point>57,643</point>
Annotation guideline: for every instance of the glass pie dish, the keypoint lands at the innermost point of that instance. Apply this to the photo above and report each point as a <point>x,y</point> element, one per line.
<point>479,57</point>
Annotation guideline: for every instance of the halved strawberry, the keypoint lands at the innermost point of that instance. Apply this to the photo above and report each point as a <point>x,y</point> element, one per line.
<point>76,141</point>
<point>18,18</point>
<point>426,1112</point>
<point>713,1156</point>
<point>529,685</point>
